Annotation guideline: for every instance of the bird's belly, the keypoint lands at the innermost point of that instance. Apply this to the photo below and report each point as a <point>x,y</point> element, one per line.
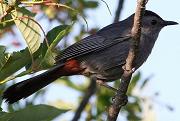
<point>110,74</point>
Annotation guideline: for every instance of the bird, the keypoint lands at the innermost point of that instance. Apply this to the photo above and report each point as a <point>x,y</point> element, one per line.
<point>99,56</point>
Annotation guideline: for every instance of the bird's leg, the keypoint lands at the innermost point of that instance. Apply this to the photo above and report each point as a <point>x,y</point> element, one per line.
<point>102,83</point>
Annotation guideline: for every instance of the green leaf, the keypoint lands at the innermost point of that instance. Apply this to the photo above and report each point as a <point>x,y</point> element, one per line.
<point>134,81</point>
<point>133,110</point>
<point>104,98</point>
<point>33,113</point>
<point>2,56</point>
<point>14,62</point>
<point>145,82</point>
<point>54,36</point>
<point>29,29</point>
<point>63,104</point>
<point>70,84</point>
<point>5,22</point>
<point>91,4</point>
<point>18,60</point>
<point>5,117</point>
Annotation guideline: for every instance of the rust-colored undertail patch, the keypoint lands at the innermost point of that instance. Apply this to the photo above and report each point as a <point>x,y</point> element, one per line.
<point>71,67</point>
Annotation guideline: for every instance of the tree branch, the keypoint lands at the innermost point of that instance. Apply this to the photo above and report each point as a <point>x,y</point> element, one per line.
<point>89,92</point>
<point>120,98</point>
<point>118,10</point>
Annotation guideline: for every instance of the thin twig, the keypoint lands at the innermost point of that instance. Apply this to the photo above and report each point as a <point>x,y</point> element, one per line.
<point>107,6</point>
<point>89,92</point>
<point>119,10</point>
<point>120,98</point>
<point>9,9</point>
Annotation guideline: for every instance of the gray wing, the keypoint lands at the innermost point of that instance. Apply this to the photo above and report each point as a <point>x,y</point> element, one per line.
<point>87,45</point>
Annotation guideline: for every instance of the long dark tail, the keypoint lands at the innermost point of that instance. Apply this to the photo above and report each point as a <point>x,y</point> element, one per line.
<point>27,87</point>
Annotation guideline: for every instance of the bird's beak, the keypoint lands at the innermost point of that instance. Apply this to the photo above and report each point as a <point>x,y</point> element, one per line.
<point>167,23</point>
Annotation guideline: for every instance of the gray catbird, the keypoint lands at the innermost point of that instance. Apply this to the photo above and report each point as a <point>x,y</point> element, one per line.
<point>99,56</point>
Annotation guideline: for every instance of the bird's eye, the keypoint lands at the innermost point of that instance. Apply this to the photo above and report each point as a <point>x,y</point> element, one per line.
<point>153,22</point>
